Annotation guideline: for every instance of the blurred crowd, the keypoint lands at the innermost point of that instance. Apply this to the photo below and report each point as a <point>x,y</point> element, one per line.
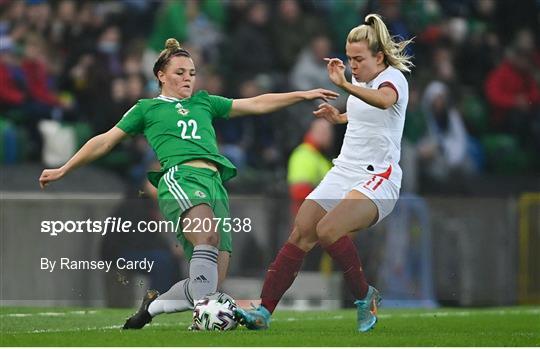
<point>474,103</point>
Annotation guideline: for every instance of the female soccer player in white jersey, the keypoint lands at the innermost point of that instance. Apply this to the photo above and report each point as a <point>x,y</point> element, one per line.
<point>363,186</point>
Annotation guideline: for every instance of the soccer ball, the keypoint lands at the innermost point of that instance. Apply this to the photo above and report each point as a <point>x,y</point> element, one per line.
<point>215,312</point>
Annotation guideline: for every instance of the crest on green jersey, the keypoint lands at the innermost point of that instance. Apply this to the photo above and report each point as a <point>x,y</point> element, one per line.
<point>181,110</point>
<point>200,194</point>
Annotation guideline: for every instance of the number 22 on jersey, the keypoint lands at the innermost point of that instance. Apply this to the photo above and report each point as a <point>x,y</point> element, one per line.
<point>192,126</point>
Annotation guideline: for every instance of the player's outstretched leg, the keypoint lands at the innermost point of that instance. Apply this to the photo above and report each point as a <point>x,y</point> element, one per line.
<point>367,310</point>
<point>142,316</point>
<point>176,299</point>
<point>283,270</point>
<point>279,277</point>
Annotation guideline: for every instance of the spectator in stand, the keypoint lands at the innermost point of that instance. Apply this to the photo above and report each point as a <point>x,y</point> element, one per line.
<point>444,151</point>
<point>185,20</point>
<point>514,92</point>
<point>13,20</point>
<point>31,90</point>
<point>512,16</point>
<point>392,14</point>
<point>12,93</point>
<point>258,136</point>
<point>343,16</point>
<point>413,132</point>
<point>135,88</point>
<point>482,48</point>
<point>309,71</point>
<point>475,62</point>
<point>106,64</point>
<point>308,162</point>
<point>290,31</point>
<point>62,33</point>
<point>38,15</point>
<point>442,65</point>
<point>250,49</point>
<point>118,105</point>
<point>35,65</point>
<point>203,28</point>
<point>132,64</point>
<point>310,66</point>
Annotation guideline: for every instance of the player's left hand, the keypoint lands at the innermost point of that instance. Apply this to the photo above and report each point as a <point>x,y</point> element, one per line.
<point>330,113</point>
<point>320,93</point>
<point>336,71</point>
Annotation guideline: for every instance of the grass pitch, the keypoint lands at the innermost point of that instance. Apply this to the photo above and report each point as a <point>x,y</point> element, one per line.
<point>516,326</point>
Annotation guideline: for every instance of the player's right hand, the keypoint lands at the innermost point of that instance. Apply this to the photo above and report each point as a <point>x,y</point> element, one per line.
<point>50,175</point>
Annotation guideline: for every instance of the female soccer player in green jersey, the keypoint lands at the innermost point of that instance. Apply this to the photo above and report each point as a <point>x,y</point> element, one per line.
<point>178,126</point>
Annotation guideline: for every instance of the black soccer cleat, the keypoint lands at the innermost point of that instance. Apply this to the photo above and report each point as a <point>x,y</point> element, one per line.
<point>142,316</point>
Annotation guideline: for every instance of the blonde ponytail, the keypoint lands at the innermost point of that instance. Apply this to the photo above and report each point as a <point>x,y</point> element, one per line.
<point>376,34</point>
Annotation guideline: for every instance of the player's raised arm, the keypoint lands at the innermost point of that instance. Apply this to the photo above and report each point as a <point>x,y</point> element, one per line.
<point>382,98</point>
<point>95,148</point>
<point>271,102</point>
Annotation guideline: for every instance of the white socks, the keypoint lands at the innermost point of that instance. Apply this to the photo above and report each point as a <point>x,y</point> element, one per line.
<point>176,299</point>
<point>203,273</point>
<point>203,279</point>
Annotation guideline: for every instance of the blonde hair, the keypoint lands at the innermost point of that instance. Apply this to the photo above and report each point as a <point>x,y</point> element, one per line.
<point>172,49</point>
<point>376,34</point>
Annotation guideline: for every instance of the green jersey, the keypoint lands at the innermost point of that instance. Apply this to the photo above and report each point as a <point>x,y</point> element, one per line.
<point>180,130</point>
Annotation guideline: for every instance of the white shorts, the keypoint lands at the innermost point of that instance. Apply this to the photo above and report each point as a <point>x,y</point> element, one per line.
<point>338,182</point>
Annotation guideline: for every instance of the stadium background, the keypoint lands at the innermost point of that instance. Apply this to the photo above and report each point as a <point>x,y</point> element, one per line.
<point>466,231</point>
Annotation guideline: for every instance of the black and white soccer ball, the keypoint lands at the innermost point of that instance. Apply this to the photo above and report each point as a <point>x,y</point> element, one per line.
<point>215,312</point>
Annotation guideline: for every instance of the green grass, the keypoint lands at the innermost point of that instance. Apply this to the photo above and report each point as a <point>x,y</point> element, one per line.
<point>516,326</point>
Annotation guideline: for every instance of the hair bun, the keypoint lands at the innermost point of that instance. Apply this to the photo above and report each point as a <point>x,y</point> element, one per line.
<point>172,44</point>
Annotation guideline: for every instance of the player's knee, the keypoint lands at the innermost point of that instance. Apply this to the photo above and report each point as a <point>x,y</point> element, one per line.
<point>304,228</point>
<point>326,231</point>
<point>295,238</point>
<point>211,239</point>
<point>303,237</point>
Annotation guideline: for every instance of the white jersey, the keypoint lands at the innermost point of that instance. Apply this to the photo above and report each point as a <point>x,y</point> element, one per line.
<point>372,142</point>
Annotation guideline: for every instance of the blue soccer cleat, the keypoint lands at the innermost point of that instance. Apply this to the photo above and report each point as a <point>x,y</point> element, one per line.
<point>367,310</point>
<point>255,319</point>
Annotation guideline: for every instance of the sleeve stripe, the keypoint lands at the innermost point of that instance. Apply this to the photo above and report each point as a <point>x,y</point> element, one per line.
<point>391,85</point>
<point>130,109</point>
